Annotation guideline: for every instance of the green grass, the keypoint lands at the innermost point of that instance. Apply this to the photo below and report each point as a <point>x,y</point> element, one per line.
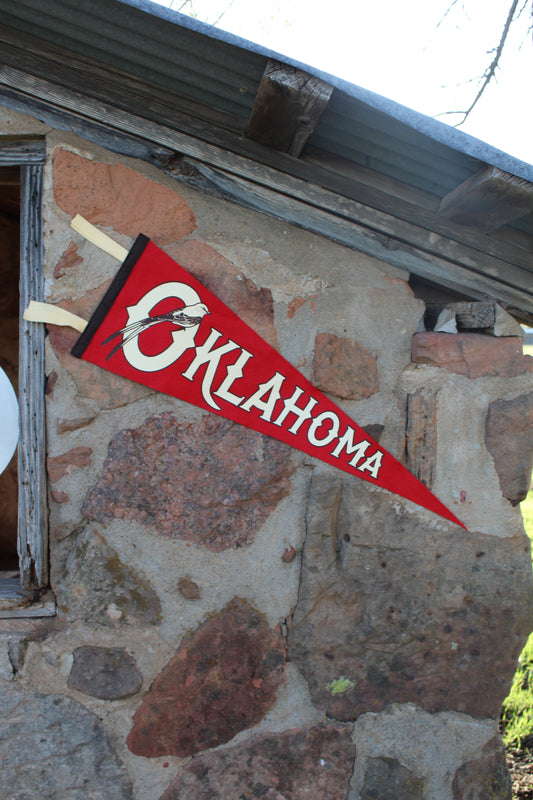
<point>517,710</point>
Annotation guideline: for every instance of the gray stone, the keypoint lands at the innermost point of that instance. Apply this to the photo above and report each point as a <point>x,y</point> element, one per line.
<point>390,611</point>
<point>108,673</point>
<point>55,749</point>
<point>386,779</point>
<point>92,583</point>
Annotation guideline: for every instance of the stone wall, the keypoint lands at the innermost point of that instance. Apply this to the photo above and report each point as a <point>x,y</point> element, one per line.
<point>234,619</point>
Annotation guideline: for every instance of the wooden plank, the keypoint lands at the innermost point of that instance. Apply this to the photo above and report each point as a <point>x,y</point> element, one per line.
<point>22,151</point>
<point>447,273</point>
<point>297,188</point>
<point>33,522</point>
<point>15,603</point>
<point>419,207</point>
<point>414,205</point>
<point>277,181</point>
<point>288,107</point>
<point>71,69</point>
<point>488,200</point>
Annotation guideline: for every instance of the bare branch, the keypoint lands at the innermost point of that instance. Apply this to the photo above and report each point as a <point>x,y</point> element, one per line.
<point>223,12</point>
<point>489,73</point>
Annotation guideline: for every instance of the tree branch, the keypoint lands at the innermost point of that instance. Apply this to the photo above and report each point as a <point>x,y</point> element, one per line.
<point>489,73</point>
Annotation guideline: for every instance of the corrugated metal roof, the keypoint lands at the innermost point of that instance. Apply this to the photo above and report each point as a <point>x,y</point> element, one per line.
<point>216,68</point>
<point>203,81</point>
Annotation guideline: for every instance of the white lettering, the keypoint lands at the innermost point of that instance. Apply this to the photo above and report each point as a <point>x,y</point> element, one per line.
<point>289,405</point>
<point>346,442</point>
<point>181,339</point>
<point>372,464</point>
<point>317,423</point>
<point>205,355</point>
<point>272,389</point>
<point>234,371</point>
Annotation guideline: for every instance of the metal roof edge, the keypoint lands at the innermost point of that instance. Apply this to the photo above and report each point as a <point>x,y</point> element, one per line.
<point>435,129</point>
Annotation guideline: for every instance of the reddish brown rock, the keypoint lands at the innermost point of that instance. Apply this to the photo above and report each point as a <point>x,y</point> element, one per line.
<point>391,612</point>
<point>421,434</point>
<point>69,259</point>
<point>51,381</point>
<point>223,679</point>
<point>109,673</point>
<point>117,197</point>
<point>509,440</point>
<point>189,589</point>
<point>59,497</point>
<point>312,763</point>
<point>253,305</point>
<point>472,354</point>
<point>214,483</point>
<point>69,425</point>
<point>344,368</point>
<point>64,464</point>
<point>486,777</point>
<point>105,388</point>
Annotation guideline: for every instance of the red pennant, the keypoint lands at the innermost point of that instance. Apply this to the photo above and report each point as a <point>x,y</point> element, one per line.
<point>157,325</point>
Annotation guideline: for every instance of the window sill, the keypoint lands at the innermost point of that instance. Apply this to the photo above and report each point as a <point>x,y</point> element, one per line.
<point>15,605</point>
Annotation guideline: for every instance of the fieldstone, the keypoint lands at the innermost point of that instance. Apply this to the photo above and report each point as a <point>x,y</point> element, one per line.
<point>486,777</point>
<point>53,748</point>
<point>421,434</point>
<point>105,388</point>
<point>214,483</point>
<point>387,779</point>
<point>51,381</point>
<point>315,763</point>
<point>253,305</point>
<point>189,589</point>
<point>472,354</point>
<point>222,679</point>
<point>69,425</point>
<point>88,577</point>
<point>108,673</point>
<point>69,259</point>
<point>344,368</point>
<point>59,497</point>
<point>390,611</point>
<point>509,440</point>
<point>65,463</point>
<point>108,195</point>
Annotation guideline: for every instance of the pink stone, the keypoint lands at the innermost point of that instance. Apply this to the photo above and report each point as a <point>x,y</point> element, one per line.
<point>213,483</point>
<point>222,679</point>
<point>314,763</point>
<point>105,388</point>
<point>69,259</point>
<point>117,197</point>
<point>475,355</point>
<point>253,305</point>
<point>60,497</point>
<point>64,464</point>
<point>344,368</point>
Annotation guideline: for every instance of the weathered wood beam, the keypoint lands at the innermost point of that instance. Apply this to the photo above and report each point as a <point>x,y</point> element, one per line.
<point>439,257</point>
<point>349,233</point>
<point>488,200</point>
<point>120,91</point>
<point>287,109</point>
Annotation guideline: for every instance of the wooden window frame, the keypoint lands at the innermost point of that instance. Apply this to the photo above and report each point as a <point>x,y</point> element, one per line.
<point>23,597</point>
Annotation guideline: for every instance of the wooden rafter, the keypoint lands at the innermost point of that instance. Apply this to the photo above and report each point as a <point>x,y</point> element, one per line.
<point>287,109</point>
